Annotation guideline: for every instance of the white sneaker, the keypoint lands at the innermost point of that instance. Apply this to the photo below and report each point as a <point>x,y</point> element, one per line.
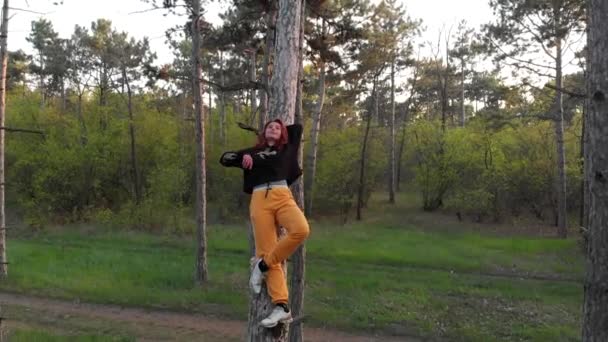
<point>257,277</point>
<point>278,315</point>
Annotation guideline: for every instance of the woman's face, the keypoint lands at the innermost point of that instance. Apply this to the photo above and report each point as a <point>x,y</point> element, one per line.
<point>273,132</point>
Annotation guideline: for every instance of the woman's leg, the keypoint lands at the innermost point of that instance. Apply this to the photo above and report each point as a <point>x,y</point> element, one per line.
<point>290,217</point>
<point>265,233</point>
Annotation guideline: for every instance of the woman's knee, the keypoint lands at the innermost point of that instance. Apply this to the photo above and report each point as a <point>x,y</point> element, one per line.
<point>301,232</point>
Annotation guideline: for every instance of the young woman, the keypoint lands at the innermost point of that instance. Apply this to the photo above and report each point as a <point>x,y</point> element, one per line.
<point>269,168</point>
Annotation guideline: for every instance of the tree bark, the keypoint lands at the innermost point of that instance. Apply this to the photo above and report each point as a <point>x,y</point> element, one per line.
<point>271,19</point>
<point>391,161</point>
<point>595,315</point>
<point>4,58</point>
<point>284,81</point>
<point>201,195</point>
<point>561,151</point>
<point>284,88</point>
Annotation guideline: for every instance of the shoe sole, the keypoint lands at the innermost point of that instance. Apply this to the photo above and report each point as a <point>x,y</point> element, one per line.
<point>284,321</point>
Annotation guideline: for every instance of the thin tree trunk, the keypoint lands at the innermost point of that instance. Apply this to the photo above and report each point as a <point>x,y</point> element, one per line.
<point>134,168</point>
<point>284,87</point>
<point>314,142</point>
<point>4,57</point>
<point>298,259</point>
<point>462,112</point>
<point>208,113</point>
<point>222,118</point>
<point>361,187</point>
<point>595,315</point>
<point>400,157</point>
<point>391,162</point>
<point>42,92</point>
<point>561,151</point>
<point>83,124</point>
<point>584,210</point>
<point>63,96</point>
<point>253,78</point>
<point>201,195</point>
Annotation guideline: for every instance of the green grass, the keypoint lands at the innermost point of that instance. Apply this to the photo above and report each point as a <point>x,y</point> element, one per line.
<point>376,276</point>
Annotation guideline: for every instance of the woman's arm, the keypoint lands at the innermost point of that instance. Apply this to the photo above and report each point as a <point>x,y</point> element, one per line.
<point>234,158</point>
<point>294,133</point>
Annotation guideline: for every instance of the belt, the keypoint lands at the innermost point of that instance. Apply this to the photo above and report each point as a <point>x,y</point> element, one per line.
<point>270,185</point>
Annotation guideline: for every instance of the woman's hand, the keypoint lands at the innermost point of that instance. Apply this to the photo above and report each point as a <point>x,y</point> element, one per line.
<point>247,162</point>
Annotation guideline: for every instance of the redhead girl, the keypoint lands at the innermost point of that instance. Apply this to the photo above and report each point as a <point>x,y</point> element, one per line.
<point>269,168</point>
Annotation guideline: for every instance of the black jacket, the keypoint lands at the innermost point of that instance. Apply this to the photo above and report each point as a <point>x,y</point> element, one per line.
<point>269,163</point>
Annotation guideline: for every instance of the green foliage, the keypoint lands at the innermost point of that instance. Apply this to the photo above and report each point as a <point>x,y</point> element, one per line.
<point>489,171</point>
<point>432,169</point>
<point>338,170</point>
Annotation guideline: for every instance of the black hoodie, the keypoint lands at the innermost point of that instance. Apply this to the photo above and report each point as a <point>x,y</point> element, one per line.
<point>270,164</point>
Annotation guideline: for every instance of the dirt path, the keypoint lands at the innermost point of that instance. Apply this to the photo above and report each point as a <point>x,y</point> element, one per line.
<point>153,325</point>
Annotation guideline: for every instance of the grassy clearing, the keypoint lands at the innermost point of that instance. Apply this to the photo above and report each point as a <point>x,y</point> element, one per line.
<point>379,275</point>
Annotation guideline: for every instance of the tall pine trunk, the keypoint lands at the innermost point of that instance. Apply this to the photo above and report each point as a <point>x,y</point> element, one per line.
<point>298,259</point>
<point>561,151</point>
<point>4,58</point>
<point>595,313</point>
<point>284,86</point>
<point>201,195</point>
<point>391,162</point>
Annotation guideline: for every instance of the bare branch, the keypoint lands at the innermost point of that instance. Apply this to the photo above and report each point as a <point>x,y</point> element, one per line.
<point>520,60</point>
<point>29,11</point>
<point>21,130</point>
<point>536,36</point>
<point>146,10</point>
<point>566,91</point>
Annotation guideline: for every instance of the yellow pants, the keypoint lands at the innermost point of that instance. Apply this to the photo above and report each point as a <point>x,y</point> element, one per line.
<point>269,211</point>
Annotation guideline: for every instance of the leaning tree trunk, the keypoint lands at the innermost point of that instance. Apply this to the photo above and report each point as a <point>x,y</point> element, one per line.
<point>284,86</point>
<point>595,315</point>
<point>271,19</point>
<point>314,142</point>
<point>134,168</point>
<point>361,188</point>
<point>391,161</point>
<point>4,58</point>
<point>201,199</point>
<point>561,151</point>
